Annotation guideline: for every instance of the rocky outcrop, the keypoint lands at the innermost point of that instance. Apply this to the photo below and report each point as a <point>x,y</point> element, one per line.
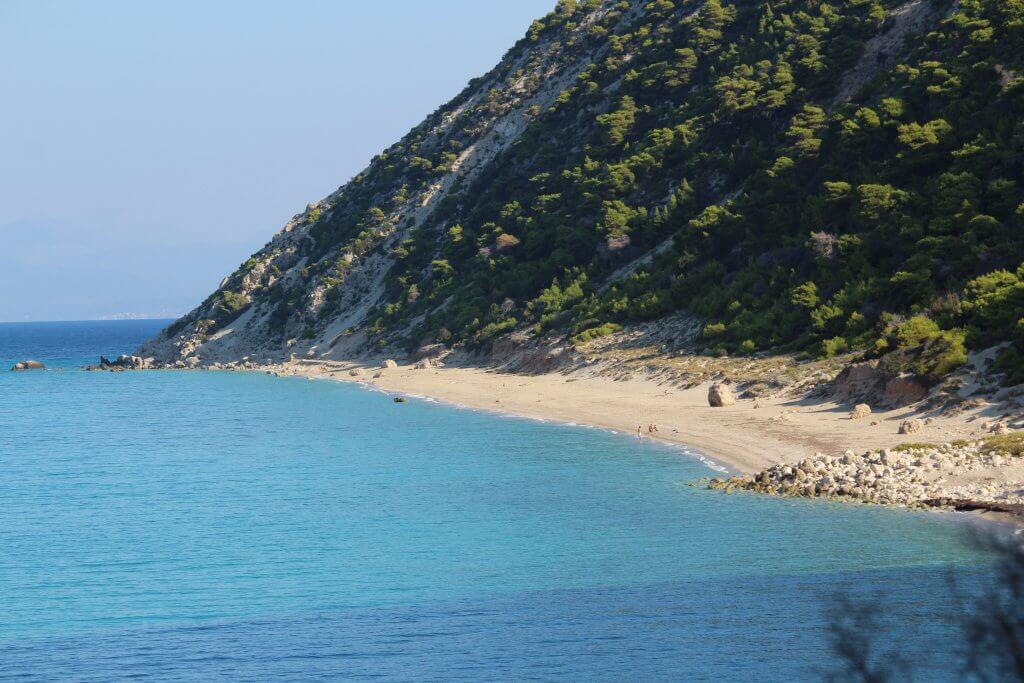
<point>876,385</point>
<point>911,476</point>
<point>720,395</point>
<point>123,362</point>
<point>518,353</point>
<point>27,365</point>
<point>429,351</point>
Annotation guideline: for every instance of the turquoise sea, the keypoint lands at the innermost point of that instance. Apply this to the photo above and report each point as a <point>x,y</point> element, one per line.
<point>213,525</point>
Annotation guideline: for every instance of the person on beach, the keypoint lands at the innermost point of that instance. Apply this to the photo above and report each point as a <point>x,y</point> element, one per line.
<point>639,433</point>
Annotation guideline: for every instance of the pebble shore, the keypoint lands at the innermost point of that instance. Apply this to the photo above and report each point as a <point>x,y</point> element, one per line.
<point>913,476</point>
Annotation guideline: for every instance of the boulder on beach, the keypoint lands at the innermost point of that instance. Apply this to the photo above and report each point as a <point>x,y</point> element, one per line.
<point>860,411</point>
<point>912,426</point>
<point>389,364</point>
<point>355,372</point>
<point>720,395</point>
<point>28,365</point>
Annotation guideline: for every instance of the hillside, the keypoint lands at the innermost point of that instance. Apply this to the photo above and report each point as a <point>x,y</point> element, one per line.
<point>795,176</point>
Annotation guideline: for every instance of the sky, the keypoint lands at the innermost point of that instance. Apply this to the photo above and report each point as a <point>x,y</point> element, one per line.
<point>148,148</point>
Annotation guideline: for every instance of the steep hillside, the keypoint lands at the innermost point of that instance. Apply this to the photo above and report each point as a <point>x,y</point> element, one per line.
<point>800,176</point>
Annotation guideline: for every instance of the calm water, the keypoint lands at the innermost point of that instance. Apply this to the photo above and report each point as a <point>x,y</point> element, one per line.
<point>197,525</point>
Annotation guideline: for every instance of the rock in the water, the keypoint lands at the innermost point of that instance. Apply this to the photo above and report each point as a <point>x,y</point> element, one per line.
<point>125,361</point>
<point>28,365</point>
<point>389,364</point>
<point>860,411</point>
<point>912,426</point>
<point>399,399</point>
<point>720,395</point>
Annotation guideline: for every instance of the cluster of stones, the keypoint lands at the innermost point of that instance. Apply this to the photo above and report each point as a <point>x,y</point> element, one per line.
<point>194,363</point>
<point>912,478</point>
<point>235,365</point>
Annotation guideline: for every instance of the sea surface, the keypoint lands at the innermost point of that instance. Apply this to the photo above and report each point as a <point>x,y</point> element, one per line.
<point>193,525</point>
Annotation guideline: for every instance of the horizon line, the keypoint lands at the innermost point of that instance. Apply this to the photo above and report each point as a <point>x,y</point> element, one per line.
<point>88,320</point>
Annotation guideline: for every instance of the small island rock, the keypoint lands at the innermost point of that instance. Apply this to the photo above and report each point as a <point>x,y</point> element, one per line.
<point>28,365</point>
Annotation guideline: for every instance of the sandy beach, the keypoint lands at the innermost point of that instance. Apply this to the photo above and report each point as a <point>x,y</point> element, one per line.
<point>745,437</point>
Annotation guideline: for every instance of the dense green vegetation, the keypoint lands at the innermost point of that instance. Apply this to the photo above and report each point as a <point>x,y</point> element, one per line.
<point>708,135</point>
<point>891,221</point>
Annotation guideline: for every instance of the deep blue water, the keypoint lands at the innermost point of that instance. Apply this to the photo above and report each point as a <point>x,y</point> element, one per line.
<point>214,525</point>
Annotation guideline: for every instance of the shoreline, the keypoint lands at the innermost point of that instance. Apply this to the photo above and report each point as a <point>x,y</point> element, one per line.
<point>688,449</point>
<point>792,443</point>
<point>741,442</point>
<point>744,438</point>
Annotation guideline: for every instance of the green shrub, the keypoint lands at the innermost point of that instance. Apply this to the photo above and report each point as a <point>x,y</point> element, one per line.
<point>1010,361</point>
<point>1006,444</point>
<point>596,332</point>
<point>228,306</point>
<point>909,447</point>
<point>712,330</point>
<point>834,347</point>
<point>919,346</point>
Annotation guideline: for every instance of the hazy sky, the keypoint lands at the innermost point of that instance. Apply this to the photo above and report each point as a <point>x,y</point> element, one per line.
<point>147,148</point>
